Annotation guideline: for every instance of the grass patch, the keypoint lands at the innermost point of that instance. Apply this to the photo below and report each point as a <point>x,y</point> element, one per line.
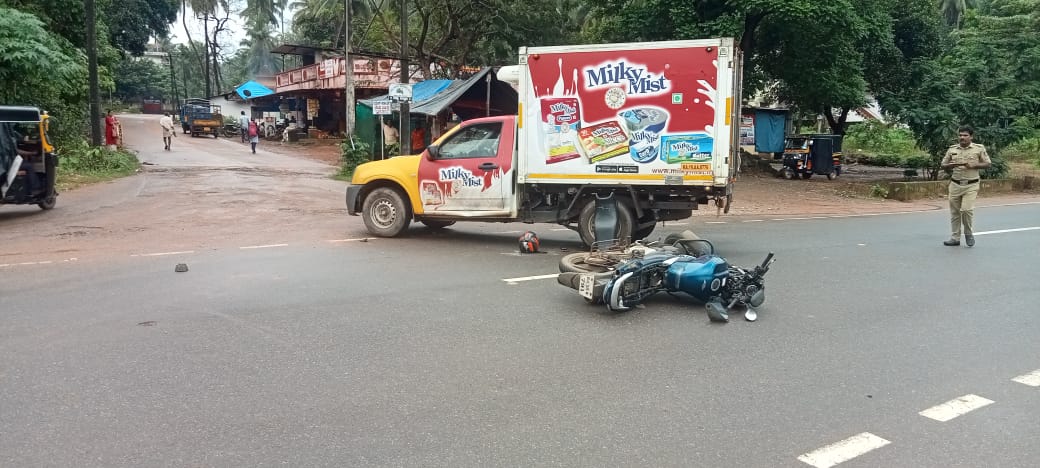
<point>80,164</point>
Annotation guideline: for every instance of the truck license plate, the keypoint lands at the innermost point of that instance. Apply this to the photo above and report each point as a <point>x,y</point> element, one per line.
<point>585,285</point>
<point>206,129</point>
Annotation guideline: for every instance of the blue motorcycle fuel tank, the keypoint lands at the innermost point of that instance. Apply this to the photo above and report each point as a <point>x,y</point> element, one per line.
<point>700,277</point>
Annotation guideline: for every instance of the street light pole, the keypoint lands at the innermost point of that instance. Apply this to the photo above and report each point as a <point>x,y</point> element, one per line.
<point>348,74</point>
<point>405,135</point>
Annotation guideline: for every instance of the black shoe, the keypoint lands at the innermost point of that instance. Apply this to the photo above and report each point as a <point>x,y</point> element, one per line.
<point>952,242</point>
<point>970,240</point>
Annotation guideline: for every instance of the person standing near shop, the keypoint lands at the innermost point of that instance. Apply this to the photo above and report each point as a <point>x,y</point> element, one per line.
<point>390,138</point>
<point>243,126</point>
<point>964,159</point>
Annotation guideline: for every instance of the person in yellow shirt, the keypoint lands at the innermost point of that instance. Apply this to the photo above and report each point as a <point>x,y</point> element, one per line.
<point>964,160</point>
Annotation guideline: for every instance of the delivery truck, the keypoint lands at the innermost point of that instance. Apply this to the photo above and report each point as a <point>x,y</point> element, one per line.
<point>653,125</point>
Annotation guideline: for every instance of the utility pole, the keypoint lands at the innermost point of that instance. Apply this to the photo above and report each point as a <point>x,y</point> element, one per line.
<point>405,127</point>
<point>92,74</point>
<point>348,74</point>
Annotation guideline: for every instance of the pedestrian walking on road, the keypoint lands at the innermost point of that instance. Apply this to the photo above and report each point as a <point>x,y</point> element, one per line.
<point>965,159</point>
<point>254,135</point>
<point>243,124</point>
<point>166,122</point>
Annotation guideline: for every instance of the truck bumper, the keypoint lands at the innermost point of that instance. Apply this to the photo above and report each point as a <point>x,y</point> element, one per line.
<point>352,198</point>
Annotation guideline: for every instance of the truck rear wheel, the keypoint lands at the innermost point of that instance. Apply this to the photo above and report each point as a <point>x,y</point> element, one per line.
<point>385,213</point>
<point>587,225</point>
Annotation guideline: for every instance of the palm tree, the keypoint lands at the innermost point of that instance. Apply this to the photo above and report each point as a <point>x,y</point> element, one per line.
<point>331,11</point>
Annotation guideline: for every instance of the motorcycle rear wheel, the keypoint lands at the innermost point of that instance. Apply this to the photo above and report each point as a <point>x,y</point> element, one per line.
<point>579,262</point>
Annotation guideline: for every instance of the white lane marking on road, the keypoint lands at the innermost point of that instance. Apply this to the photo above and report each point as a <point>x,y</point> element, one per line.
<point>561,229</point>
<point>714,222</point>
<point>45,262</point>
<point>529,278</point>
<point>956,407</point>
<point>508,232</point>
<point>160,254</point>
<point>1032,379</point>
<point>843,451</point>
<point>1002,231</point>
<point>263,246</point>
<point>753,220</point>
<point>359,239</point>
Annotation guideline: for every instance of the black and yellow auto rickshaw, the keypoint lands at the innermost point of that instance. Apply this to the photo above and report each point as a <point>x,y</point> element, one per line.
<point>805,155</point>
<point>28,164</point>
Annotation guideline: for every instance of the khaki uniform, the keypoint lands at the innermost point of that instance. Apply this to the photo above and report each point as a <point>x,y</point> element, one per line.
<point>964,186</point>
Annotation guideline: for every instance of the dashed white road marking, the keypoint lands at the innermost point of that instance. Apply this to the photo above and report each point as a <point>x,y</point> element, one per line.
<point>359,239</point>
<point>263,246</point>
<point>160,254</point>
<point>1002,231</point>
<point>714,222</point>
<point>1032,379</point>
<point>561,229</point>
<point>956,407</point>
<point>753,221</point>
<point>26,263</point>
<point>529,278</point>
<point>508,232</point>
<point>843,451</point>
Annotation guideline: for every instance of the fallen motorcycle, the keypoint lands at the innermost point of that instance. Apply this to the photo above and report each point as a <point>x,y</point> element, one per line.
<point>705,276</point>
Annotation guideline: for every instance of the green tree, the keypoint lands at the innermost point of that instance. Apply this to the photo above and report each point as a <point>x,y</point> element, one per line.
<point>819,56</point>
<point>987,76</point>
<point>41,69</point>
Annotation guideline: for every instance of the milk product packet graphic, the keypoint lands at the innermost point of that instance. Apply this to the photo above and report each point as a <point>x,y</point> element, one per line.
<point>562,119</point>
<point>603,141</point>
<point>644,126</point>
<point>691,147</point>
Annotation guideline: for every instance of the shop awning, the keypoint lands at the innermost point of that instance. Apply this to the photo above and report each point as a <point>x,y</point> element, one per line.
<point>252,89</point>
<point>431,97</point>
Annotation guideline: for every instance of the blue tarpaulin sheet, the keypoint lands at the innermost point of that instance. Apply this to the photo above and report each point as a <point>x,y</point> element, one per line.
<point>769,131</point>
<point>252,89</point>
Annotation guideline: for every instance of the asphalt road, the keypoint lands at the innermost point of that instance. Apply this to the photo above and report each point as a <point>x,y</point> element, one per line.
<point>441,349</point>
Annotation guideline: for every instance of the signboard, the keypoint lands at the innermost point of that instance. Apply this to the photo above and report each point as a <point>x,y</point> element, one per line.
<point>400,92</point>
<point>381,107</point>
<point>747,130</point>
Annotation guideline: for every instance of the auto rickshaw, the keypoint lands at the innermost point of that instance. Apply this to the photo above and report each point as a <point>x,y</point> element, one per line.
<point>28,164</point>
<point>805,155</point>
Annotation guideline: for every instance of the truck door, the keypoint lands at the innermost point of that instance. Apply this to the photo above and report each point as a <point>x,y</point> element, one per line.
<point>469,173</point>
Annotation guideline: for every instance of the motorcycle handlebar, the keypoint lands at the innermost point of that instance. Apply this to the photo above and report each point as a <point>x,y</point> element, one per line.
<point>764,267</point>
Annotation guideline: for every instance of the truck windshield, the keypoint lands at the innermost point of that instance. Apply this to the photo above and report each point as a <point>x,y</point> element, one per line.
<point>475,141</point>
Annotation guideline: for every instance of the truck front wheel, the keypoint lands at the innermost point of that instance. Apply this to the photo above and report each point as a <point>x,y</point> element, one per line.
<point>587,224</point>
<point>385,213</point>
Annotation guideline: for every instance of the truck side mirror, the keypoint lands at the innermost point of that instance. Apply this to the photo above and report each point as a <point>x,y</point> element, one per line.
<point>433,152</point>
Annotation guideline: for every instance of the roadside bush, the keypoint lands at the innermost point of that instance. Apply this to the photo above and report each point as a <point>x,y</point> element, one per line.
<point>1026,150</point>
<point>81,159</point>
<point>998,170</point>
<point>878,138</point>
<point>353,153</point>
<point>917,162</point>
<point>878,191</point>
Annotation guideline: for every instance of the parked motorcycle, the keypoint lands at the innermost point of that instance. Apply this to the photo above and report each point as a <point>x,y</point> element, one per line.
<point>705,276</point>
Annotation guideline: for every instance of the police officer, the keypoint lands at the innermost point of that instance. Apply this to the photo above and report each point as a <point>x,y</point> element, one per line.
<point>965,159</point>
